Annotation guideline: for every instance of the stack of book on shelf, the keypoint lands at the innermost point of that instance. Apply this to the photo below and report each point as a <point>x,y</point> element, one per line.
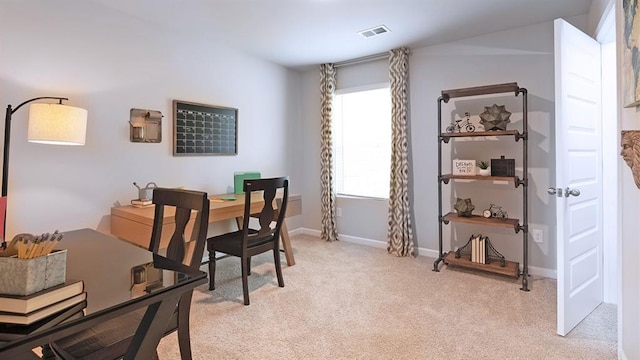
<point>479,249</point>
<point>22,314</point>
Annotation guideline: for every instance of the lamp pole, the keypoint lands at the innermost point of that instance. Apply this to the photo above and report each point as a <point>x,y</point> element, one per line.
<point>5,161</point>
<point>7,138</point>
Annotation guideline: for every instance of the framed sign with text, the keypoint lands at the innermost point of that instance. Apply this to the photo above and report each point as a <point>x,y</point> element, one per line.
<point>463,167</point>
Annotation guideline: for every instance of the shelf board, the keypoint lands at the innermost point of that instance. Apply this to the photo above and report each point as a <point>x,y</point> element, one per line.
<point>448,177</point>
<point>510,269</point>
<point>481,90</point>
<point>515,133</point>
<point>481,220</point>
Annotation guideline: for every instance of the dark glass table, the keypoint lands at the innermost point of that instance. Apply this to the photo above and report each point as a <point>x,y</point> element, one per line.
<point>109,267</point>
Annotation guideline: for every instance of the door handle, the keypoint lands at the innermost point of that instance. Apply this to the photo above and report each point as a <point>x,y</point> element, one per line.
<point>566,192</point>
<point>571,192</point>
<point>555,191</point>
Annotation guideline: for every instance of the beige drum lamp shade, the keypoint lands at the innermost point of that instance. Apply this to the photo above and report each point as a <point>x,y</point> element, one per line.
<point>57,124</point>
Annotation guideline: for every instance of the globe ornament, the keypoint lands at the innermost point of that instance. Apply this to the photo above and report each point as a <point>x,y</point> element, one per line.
<point>495,118</point>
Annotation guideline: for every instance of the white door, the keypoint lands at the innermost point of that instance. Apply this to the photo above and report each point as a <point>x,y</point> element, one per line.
<point>578,175</point>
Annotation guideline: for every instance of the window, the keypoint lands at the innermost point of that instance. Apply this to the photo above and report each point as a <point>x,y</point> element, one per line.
<point>362,141</point>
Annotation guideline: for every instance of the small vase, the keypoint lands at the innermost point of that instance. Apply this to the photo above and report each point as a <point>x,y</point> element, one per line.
<point>484,172</point>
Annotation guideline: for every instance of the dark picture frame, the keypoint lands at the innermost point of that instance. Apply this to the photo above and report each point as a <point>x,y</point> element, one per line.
<point>201,129</point>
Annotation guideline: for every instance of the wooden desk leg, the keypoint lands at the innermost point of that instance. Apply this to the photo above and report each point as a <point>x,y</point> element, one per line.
<point>286,244</point>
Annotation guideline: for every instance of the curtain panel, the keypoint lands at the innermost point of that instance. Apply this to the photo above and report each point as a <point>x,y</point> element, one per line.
<point>328,231</point>
<point>399,231</point>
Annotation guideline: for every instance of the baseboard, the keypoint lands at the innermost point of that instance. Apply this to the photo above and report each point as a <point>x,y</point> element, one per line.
<point>299,231</point>
<point>533,270</point>
<point>351,239</point>
<point>306,231</point>
<point>621,354</point>
<point>547,273</point>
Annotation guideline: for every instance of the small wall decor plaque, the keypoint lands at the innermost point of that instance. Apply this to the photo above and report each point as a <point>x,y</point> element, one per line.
<point>145,126</point>
<point>464,167</point>
<point>200,129</point>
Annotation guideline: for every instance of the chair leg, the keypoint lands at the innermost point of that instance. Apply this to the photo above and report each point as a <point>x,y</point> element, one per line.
<point>184,337</point>
<point>249,266</point>
<point>47,353</point>
<point>276,260</point>
<point>245,280</point>
<point>212,270</point>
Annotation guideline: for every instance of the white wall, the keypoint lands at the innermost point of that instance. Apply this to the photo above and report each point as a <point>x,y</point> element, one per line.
<point>108,63</point>
<point>595,18</point>
<point>629,341</point>
<point>524,55</point>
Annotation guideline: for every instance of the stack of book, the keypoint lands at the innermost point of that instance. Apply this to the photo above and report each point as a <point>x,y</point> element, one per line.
<point>141,203</point>
<point>479,249</point>
<point>18,314</point>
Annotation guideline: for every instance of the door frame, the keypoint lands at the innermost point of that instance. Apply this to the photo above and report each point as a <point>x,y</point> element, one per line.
<point>606,36</point>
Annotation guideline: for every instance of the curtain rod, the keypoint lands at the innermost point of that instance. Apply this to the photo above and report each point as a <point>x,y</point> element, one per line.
<point>359,60</point>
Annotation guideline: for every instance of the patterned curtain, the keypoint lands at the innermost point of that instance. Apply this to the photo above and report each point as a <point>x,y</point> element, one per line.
<point>328,229</point>
<point>399,232</point>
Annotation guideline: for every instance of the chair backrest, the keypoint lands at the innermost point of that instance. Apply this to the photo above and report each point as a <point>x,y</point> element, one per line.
<point>126,329</point>
<point>184,201</point>
<point>269,188</point>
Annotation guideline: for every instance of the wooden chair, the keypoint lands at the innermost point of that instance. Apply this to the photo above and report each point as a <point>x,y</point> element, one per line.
<point>247,241</point>
<point>110,340</point>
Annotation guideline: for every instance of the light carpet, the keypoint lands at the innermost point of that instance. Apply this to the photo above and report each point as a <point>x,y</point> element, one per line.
<point>348,301</point>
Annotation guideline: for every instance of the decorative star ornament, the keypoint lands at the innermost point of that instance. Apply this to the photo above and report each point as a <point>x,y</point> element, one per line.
<point>464,207</point>
<point>495,117</point>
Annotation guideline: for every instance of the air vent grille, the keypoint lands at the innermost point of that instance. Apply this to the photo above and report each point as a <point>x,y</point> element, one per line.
<point>378,30</point>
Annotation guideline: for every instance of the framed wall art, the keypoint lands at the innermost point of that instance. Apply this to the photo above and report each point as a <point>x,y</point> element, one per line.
<point>200,129</point>
<point>631,55</point>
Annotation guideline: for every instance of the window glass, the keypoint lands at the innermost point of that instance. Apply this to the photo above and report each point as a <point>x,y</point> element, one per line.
<point>362,141</point>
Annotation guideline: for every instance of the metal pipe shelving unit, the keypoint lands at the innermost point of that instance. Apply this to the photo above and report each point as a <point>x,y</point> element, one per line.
<point>519,225</point>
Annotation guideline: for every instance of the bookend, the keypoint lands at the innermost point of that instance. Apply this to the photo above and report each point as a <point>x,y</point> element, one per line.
<point>491,253</point>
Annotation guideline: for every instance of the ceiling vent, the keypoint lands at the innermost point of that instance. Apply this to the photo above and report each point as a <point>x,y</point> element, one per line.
<point>378,30</point>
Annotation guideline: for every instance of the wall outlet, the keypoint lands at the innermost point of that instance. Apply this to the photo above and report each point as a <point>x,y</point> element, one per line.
<point>339,212</point>
<point>537,235</point>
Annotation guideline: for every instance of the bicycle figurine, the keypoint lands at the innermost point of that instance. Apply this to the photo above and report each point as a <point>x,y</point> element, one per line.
<point>495,211</point>
<point>458,125</point>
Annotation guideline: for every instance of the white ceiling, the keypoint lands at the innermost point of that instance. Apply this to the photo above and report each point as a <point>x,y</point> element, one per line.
<point>301,33</point>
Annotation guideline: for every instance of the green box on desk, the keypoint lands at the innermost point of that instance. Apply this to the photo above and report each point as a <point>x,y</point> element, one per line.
<point>27,276</point>
<point>240,176</point>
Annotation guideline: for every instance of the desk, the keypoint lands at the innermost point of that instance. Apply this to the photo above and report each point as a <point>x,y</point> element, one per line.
<point>135,224</point>
<point>104,263</point>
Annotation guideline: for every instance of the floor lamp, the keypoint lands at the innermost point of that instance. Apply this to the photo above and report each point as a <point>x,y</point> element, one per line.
<point>48,124</point>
